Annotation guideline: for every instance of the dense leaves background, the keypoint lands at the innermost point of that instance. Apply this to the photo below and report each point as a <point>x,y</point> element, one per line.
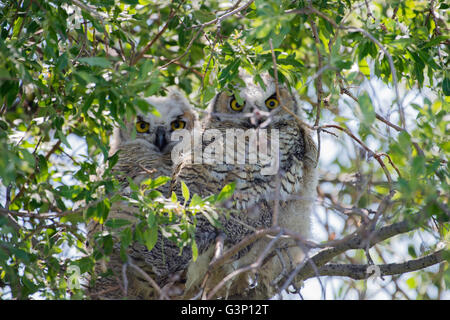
<point>69,70</point>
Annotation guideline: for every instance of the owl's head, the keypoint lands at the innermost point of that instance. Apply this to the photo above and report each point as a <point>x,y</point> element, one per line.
<point>154,131</point>
<point>256,105</point>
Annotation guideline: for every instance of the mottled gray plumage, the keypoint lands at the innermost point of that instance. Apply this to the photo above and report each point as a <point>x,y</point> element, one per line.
<point>255,193</point>
<point>148,154</point>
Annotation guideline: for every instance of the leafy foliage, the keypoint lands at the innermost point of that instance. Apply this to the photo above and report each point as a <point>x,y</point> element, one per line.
<point>70,70</point>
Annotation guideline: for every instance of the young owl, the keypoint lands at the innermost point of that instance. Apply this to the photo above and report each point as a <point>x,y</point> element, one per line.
<point>293,181</point>
<point>144,149</point>
<point>150,150</point>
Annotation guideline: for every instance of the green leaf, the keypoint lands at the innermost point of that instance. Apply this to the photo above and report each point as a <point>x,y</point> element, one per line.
<point>151,219</point>
<point>343,64</point>
<point>194,250</point>
<point>208,93</point>
<point>17,26</point>
<point>226,192</point>
<point>117,223</point>
<point>196,200</point>
<point>4,73</point>
<point>63,139</point>
<point>446,86</point>
<point>126,237</point>
<point>153,88</point>
<point>133,186</point>
<point>96,62</point>
<point>229,72</point>
<point>21,254</point>
<point>435,41</point>
<point>291,61</point>
<point>204,16</point>
<point>143,105</point>
<point>364,68</point>
<point>185,192</point>
<point>173,197</point>
<point>62,62</point>
<point>151,237</point>
<point>28,157</point>
<point>156,183</point>
<point>412,251</point>
<point>367,109</point>
<point>411,282</point>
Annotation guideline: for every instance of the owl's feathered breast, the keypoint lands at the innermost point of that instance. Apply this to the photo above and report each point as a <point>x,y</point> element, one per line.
<point>138,162</point>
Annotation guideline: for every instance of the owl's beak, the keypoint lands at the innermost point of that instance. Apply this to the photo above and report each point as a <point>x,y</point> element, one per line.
<point>258,117</point>
<point>160,140</point>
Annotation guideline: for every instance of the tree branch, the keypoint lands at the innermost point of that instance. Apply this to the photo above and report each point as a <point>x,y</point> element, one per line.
<point>359,272</point>
<point>50,215</point>
<point>148,278</point>
<point>158,35</point>
<point>356,241</point>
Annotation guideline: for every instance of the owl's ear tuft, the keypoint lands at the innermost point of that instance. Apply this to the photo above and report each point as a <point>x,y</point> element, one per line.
<point>175,93</point>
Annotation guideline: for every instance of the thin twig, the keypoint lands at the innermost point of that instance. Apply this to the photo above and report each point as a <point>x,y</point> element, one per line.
<point>377,156</point>
<point>158,35</point>
<point>148,278</point>
<point>319,88</point>
<point>186,51</point>
<point>250,267</point>
<point>224,16</point>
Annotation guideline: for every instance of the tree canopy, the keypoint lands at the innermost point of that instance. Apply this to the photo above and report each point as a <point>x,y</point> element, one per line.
<point>374,79</point>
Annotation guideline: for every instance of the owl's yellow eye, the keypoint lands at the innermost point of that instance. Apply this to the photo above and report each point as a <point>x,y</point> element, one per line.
<point>142,126</point>
<point>234,105</point>
<point>177,124</point>
<point>272,103</point>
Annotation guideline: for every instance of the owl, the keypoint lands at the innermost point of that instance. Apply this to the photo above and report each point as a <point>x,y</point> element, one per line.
<point>144,149</point>
<point>293,182</point>
<point>149,151</point>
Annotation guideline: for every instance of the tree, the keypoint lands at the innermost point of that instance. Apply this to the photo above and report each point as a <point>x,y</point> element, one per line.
<point>71,69</point>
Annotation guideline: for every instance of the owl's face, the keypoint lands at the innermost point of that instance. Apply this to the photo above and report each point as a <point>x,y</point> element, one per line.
<point>154,132</point>
<point>256,106</point>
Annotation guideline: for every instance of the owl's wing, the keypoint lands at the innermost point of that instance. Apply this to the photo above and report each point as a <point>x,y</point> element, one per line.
<point>249,209</point>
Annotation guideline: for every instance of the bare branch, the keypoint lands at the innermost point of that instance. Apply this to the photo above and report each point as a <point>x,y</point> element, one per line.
<point>359,272</point>
<point>224,16</point>
<point>356,241</point>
